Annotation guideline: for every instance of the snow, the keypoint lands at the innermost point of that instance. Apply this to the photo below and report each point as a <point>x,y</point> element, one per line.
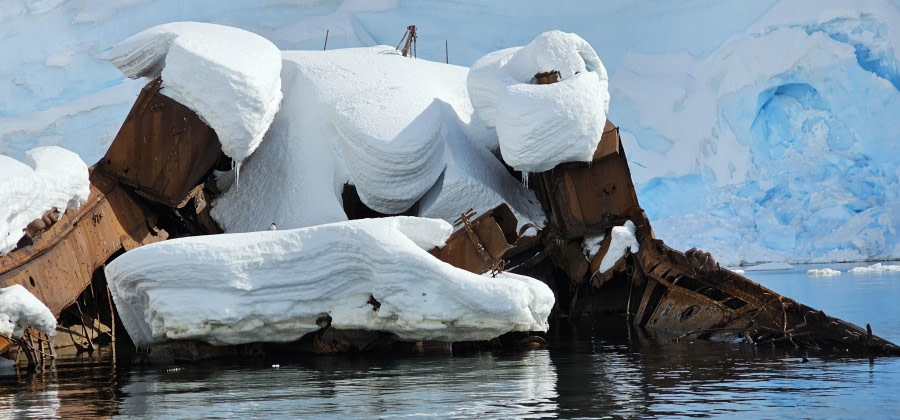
<point>398,129</point>
<point>876,268</point>
<point>19,309</point>
<point>755,130</point>
<point>230,77</point>
<point>51,177</point>
<point>590,245</point>
<point>823,272</point>
<point>541,126</point>
<point>623,241</point>
<point>247,287</point>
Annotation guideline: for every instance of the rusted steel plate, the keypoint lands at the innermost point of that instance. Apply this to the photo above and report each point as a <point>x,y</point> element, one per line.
<point>702,300</point>
<point>584,199</point>
<point>163,149</point>
<point>496,232</point>
<point>58,265</point>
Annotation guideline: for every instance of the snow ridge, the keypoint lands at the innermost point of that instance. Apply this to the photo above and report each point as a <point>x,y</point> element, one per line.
<point>246,287</point>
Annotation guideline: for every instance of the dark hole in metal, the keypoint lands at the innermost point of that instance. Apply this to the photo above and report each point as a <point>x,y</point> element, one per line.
<point>687,313</point>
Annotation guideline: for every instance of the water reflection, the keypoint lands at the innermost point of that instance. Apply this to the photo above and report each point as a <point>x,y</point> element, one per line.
<point>594,368</point>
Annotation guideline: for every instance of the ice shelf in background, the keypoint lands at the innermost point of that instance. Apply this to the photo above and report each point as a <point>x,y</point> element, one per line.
<point>273,286</point>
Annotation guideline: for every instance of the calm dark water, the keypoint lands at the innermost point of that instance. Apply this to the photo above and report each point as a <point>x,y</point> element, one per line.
<point>594,368</point>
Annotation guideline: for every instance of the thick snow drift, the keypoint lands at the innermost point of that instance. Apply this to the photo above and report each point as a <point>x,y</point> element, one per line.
<point>230,77</point>
<point>541,126</point>
<point>388,124</point>
<point>51,177</point>
<point>273,285</point>
<point>20,309</point>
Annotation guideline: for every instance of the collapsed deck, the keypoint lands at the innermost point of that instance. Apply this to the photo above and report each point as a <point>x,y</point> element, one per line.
<point>153,185</point>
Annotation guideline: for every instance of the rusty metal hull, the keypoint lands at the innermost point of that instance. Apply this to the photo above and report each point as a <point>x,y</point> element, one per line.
<point>61,261</point>
<point>486,242</point>
<point>163,149</point>
<point>662,288</point>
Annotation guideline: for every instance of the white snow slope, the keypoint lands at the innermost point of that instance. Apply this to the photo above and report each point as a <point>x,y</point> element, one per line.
<point>274,285</point>
<point>760,131</point>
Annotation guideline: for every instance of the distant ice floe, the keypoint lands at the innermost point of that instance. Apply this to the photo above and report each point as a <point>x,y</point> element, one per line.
<point>230,77</point>
<point>541,126</point>
<point>876,268</point>
<point>823,272</point>
<point>769,266</point>
<point>51,177</point>
<point>20,309</point>
<point>274,285</point>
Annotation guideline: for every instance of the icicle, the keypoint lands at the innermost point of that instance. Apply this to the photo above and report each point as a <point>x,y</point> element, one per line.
<point>236,166</point>
<point>525,179</point>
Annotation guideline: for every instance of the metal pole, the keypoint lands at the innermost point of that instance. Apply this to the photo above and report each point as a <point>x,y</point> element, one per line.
<point>326,40</point>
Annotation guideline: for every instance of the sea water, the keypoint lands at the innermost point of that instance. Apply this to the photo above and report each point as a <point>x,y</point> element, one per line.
<point>594,367</point>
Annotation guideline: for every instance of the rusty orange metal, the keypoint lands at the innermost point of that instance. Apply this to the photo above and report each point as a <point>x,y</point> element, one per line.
<point>586,198</point>
<point>664,289</point>
<point>61,260</point>
<point>491,239</point>
<point>163,148</point>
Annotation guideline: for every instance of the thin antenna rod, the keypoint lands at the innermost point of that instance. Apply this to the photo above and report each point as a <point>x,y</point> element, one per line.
<point>326,40</point>
<point>446,53</point>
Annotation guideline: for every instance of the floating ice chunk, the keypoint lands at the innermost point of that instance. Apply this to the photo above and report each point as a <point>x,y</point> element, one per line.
<point>541,126</point>
<point>274,285</point>
<point>823,272</point>
<point>20,309</point>
<point>769,266</point>
<point>623,240</point>
<point>738,271</point>
<point>230,77</point>
<point>876,268</point>
<point>52,178</point>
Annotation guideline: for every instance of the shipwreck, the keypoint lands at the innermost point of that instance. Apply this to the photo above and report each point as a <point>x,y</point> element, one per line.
<point>158,179</point>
